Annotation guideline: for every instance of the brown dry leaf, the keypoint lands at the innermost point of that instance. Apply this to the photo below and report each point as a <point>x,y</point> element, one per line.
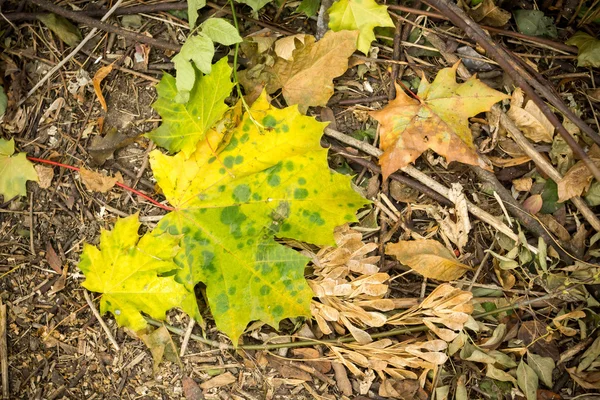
<point>406,389</point>
<point>313,358</point>
<point>506,278</point>
<point>530,118</point>
<point>191,390</point>
<point>53,259</point>
<point>285,46</point>
<point>555,227</point>
<point>533,335</point>
<point>306,78</point>
<point>98,77</point>
<point>222,380</point>
<point>579,178</point>
<point>45,176</point>
<point>587,380</point>
<point>102,148</point>
<point>523,184</point>
<point>429,258</point>
<point>438,120</point>
<point>161,345</point>
<point>287,370</point>
<point>533,204</point>
<point>97,182</point>
<point>488,13</point>
<point>565,330</point>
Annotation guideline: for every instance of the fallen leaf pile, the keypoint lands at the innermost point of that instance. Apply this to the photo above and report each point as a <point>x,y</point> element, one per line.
<point>353,295</point>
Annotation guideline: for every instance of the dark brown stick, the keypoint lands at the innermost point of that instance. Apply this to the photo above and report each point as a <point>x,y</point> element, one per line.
<point>523,79</point>
<point>503,32</point>
<point>395,176</point>
<point>3,351</point>
<point>83,19</point>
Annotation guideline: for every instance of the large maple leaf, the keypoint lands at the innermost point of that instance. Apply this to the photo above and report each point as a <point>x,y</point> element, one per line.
<point>271,180</point>
<point>361,15</point>
<point>437,120</point>
<point>186,124</point>
<point>15,171</point>
<point>128,272</point>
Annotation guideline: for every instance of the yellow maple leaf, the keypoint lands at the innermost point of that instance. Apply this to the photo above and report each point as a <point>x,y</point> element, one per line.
<point>437,120</point>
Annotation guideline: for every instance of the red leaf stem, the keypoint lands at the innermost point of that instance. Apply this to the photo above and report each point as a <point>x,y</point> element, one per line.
<point>132,190</point>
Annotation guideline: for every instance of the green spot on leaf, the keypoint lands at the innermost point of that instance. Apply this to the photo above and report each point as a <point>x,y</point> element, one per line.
<point>269,121</point>
<point>300,194</point>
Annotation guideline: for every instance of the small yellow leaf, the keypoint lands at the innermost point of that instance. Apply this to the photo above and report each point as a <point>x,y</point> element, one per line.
<point>429,258</point>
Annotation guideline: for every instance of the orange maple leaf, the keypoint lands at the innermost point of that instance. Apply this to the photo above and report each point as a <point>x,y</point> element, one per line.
<point>437,120</point>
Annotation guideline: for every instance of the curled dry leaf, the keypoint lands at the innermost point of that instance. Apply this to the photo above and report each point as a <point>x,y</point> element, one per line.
<point>98,78</point>
<point>429,258</point>
<point>579,178</point>
<point>45,176</point>
<point>455,224</point>
<point>530,118</point>
<point>98,182</point>
<point>488,13</point>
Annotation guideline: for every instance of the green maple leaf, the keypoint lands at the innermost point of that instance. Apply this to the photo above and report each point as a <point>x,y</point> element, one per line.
<point>271,180</point>
<point>361,15</point>
<point>15,171</point>
<point>129,272</point>
<point>186,124</point>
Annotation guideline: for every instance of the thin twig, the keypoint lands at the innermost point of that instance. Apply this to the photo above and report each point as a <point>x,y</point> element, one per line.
<point>4,351</point>
<point>405,180</point>
<point>111,339</point>
<point>186,337</point>
<point>70,55</point>
<point>31,244</point>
